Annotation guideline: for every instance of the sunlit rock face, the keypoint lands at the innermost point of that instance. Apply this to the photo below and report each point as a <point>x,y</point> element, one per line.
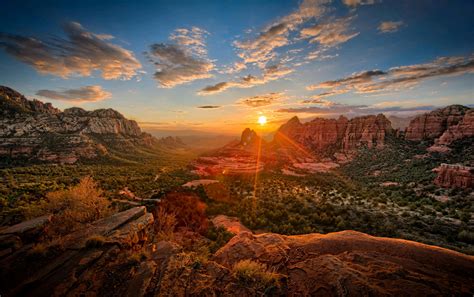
<point>36,130</point>
<point>348,261</point>
<point>465,128</point>
<point>334,135</point>
<point>432,125</point>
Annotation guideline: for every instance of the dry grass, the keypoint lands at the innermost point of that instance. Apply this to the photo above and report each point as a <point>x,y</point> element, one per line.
<point>253,273</point>
<point>94,241</point>
<point>165,224</point>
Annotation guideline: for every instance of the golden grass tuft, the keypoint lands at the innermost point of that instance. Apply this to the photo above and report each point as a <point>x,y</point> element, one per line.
<point>250,272</point>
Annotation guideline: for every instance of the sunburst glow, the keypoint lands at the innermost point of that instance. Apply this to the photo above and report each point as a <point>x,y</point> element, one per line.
<point>262,120</point>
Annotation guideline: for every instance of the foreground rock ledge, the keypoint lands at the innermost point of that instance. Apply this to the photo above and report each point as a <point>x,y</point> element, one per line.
<point>350,263</point>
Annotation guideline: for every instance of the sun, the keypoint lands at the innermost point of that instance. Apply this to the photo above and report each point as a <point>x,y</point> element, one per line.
<point>262,120</point>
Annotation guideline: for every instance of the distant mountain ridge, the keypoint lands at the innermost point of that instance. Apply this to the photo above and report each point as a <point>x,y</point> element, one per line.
<point>36,131</point>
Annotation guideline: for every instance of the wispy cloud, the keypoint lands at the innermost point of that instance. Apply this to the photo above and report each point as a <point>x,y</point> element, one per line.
<point>80,95</point>
<point>261,49</point>
<point>80,53</point>
<point>209,106</point>
<point>183,61</point>
<point>270,73</point>
<point>355,3</point>
<point>399,78</point>
<point>390,27</point>
<point>333,109</point>
<point>330,33</point>
<point>262,100</point>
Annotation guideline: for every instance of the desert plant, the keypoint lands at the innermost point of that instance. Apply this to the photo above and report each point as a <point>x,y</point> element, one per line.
<point>165,224</point>
<point>253,273</point>
<point>74,207</point>
<point>190,212</point>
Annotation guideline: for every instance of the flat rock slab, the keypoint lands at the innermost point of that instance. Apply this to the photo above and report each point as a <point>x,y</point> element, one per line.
<point>231,224</point>
<point>129,234</point>
<point>77,240</point>
<point>25,227</point>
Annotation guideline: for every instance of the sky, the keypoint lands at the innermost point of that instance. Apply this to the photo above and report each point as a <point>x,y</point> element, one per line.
<point>219,65</point>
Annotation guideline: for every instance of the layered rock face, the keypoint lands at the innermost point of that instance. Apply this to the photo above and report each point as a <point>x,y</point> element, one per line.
<point>455,176</point>
<point>465,128</point>
<point>434,124</point>
<point>333,135</point>
<point>367,130</point>
<point>34,130</point>
<point>350,263</point>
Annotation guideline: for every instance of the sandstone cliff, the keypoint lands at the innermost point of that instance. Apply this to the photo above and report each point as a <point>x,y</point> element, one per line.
<point>34,130</point>
<point>454,120</point>
<point>323,136</point>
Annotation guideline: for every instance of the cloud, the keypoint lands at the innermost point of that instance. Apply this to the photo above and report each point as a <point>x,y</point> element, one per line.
<point>331,33</point>
<point>262,100</point>
<point>261,49</point>
<point>357,78</point>
<point>355,3</point>
<point>337,109</point>
<point>390,27</point>
<point>80,95</point>
<point>270,73</point>
<point>80,53</point>
<point>399,78</point>
<point>319,98</point>
<point>183,61</point>
<point>193,38</point>
<point>209,106</point>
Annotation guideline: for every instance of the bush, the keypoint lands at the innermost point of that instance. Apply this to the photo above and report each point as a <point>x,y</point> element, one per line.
<point>190,212</point>
<point>249,272</point>
<point>466,236</point>
<point>74,207</point>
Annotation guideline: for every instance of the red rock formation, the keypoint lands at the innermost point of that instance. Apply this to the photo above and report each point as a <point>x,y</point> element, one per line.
<point>367,130</point>
<point>433,124</point>
<point>334,135</point>
<point>455,176</point>
<point>465,128</point>
<point>350,263</point>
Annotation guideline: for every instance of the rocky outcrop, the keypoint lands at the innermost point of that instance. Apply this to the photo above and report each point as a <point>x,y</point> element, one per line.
<point>367,130</point>
<point>250,140</point>
<point>231,224</point>
<point>464,129</point>
<point>84,261</point>
<point>13,102</point>
<point>455,176</point>
<point>329,136</point>
<point>350,263</point>
<point>121,256</point>
<point>36,131</point>
<point>432,125</point>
